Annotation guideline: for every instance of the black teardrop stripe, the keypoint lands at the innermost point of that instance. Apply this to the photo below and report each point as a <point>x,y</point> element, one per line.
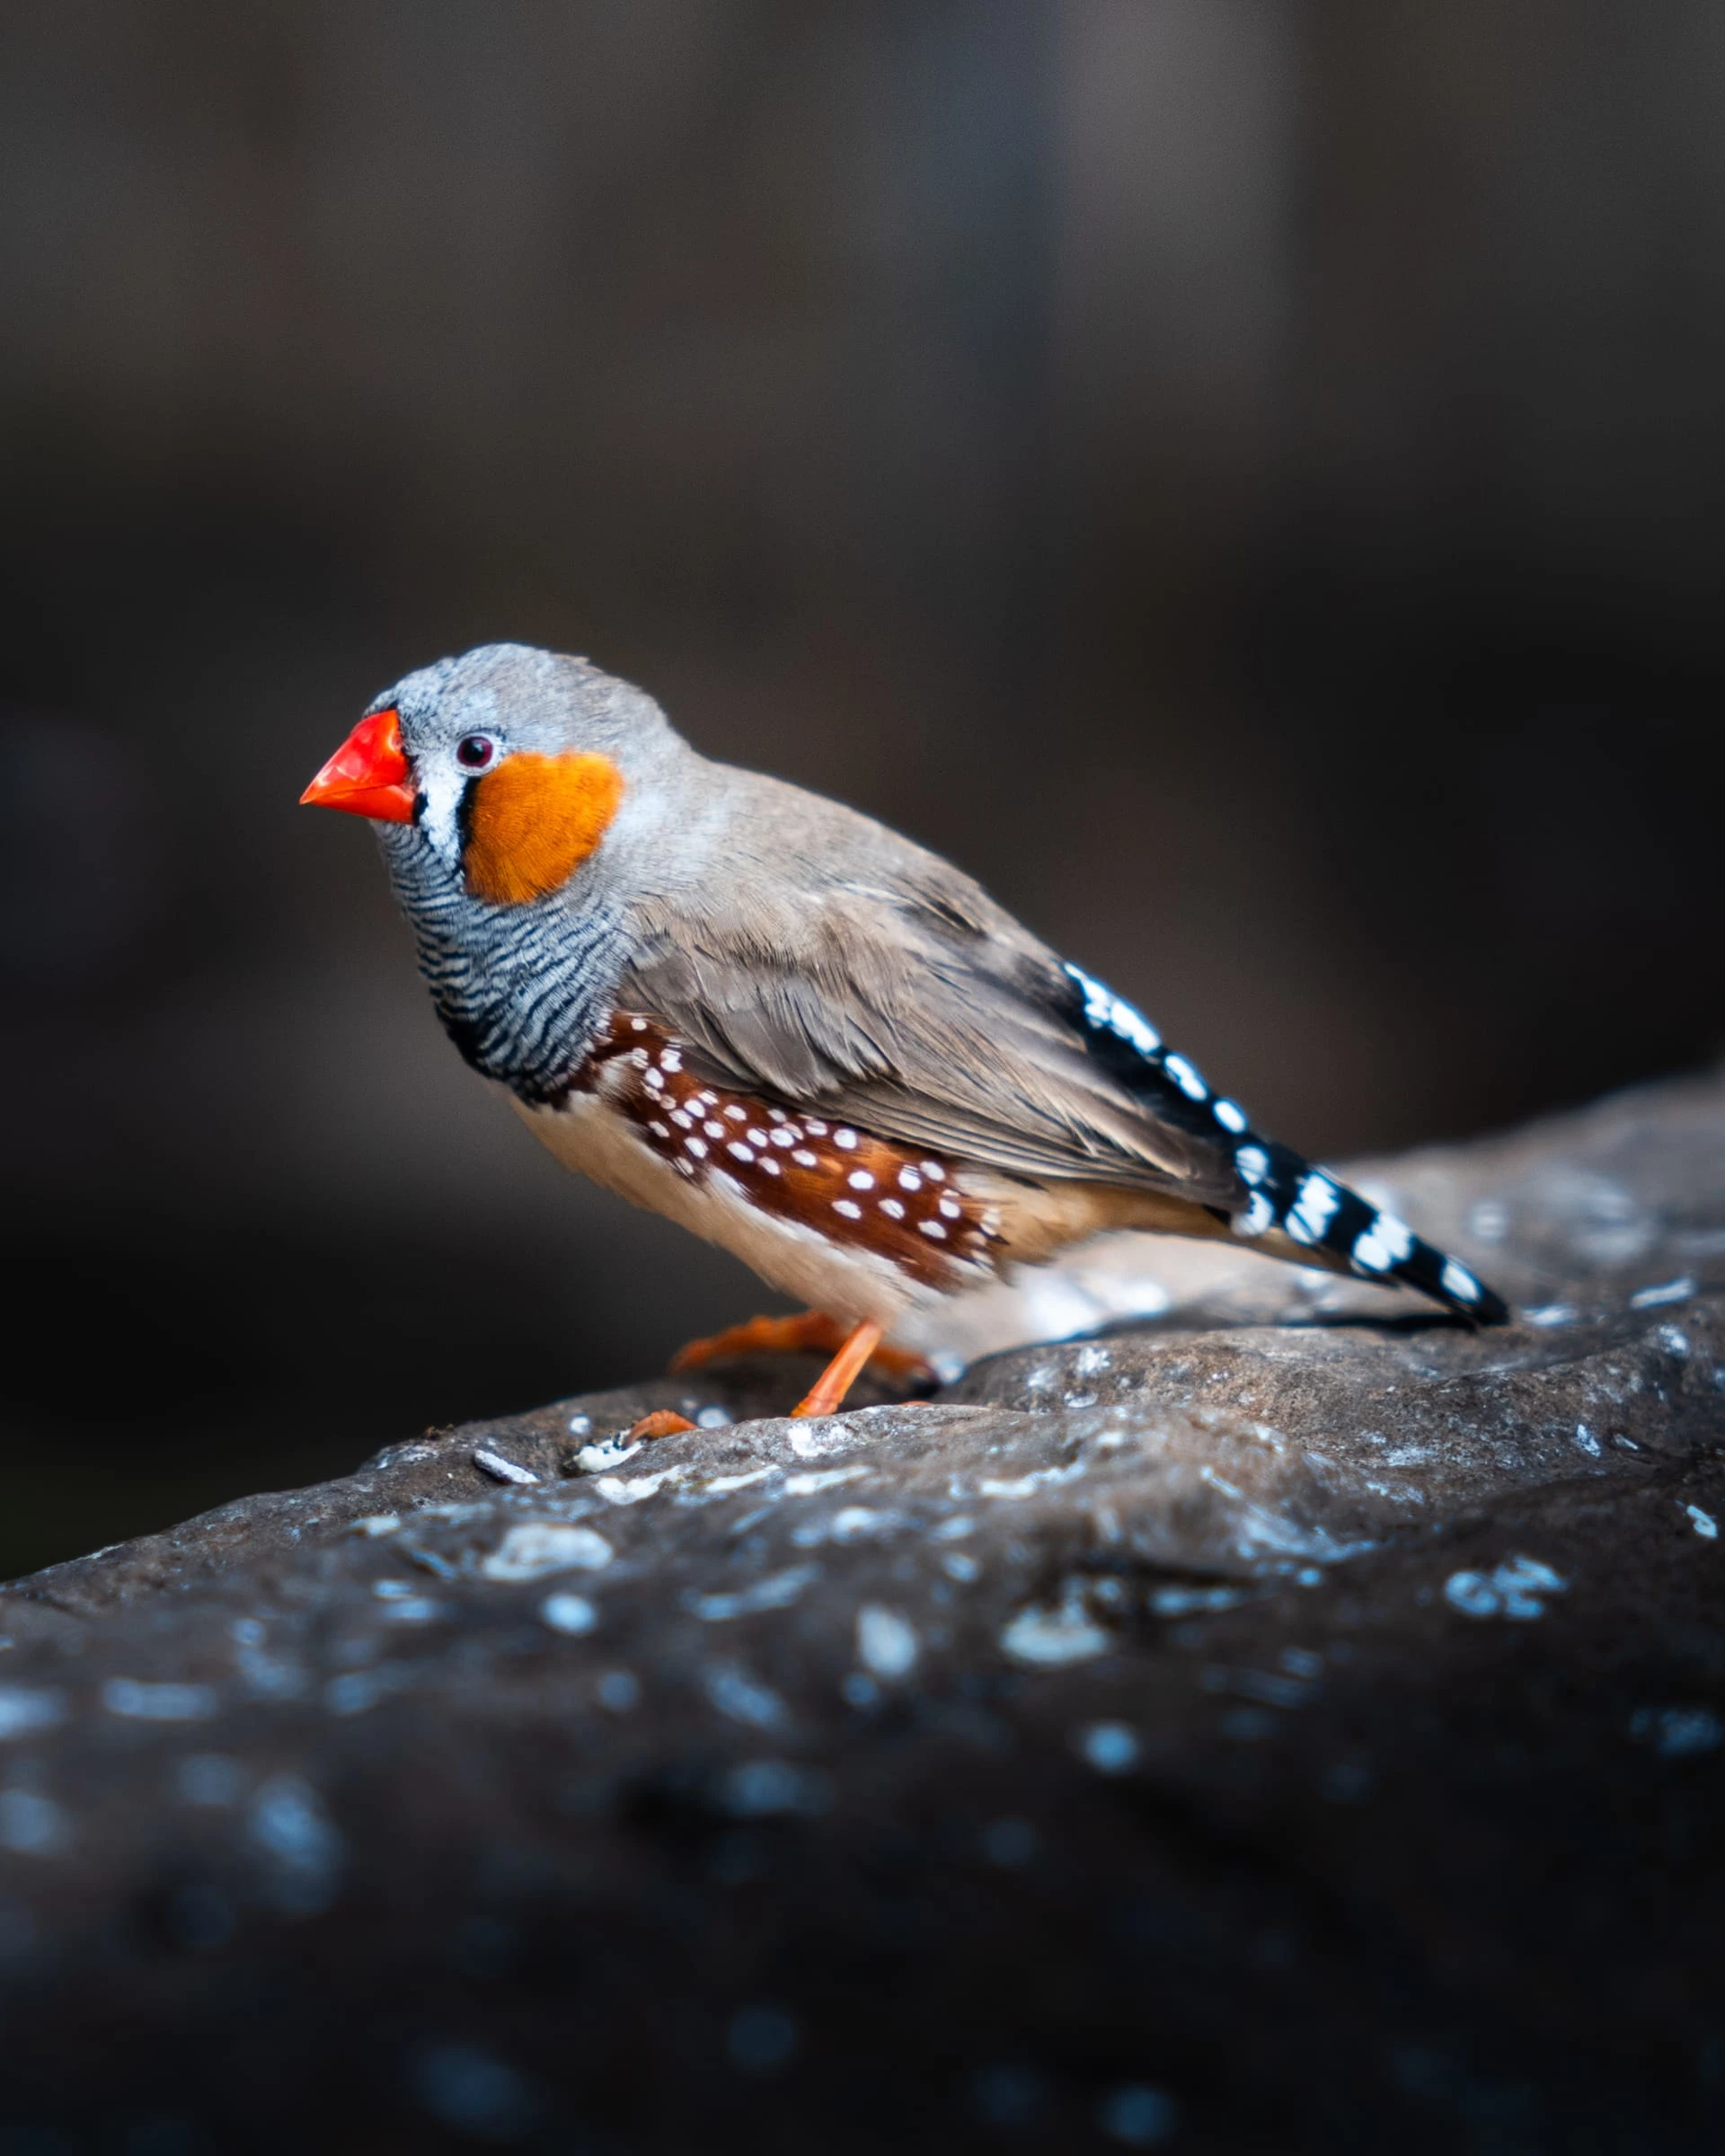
<point>1283,1191</point>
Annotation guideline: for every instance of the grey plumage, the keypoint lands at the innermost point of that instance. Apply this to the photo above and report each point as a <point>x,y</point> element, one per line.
<point>804,954</point>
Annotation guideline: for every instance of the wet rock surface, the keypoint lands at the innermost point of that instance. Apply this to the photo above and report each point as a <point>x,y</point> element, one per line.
<point>1287,1722</point>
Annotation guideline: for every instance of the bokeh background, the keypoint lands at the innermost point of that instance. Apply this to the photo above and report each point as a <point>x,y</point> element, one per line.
<point>1243,477</point>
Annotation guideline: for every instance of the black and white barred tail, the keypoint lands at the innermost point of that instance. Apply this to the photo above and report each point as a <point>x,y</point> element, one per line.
<point>1287,1200</point>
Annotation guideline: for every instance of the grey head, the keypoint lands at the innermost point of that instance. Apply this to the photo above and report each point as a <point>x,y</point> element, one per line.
<point>544,794</point>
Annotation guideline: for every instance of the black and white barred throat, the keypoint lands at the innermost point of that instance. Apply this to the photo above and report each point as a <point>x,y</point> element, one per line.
<point>523,990</point>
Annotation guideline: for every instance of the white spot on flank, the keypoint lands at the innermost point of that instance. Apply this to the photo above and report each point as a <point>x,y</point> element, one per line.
<point>1459,1281</point>
<point>741,1151</point>
<point>859,1179</point>
<point>682,1166</point>
<point>698,1147</point>
<point>781,1136</point>
<point>815,1130</point>
<point>769,1165</point>
<point>908,1179</point>
<point>737,1114</point>
<point>892,1208</point>
<point>669,1060</point>
<point>950,1209</point>
<point>849,1207</point>
<point>933,1171</point>
<point>846,1138</point>
<point>638,1025</point>
<point>1186,1078</point>
<point>682,1121</point>
<point>660,1130</point>
<point>933,1228</point>
<point>805,1158</point>
<point>755,1138</point>
<point>1228,1116</point>
<point>1252,1162</point>
<point>715,1130</point>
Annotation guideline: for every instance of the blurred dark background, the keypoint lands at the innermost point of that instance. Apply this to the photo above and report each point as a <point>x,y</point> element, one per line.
<point>1244,478</point>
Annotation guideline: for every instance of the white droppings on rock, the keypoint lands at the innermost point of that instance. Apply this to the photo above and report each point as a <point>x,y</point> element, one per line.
<point>1190,1602</point>
<point>1110,1747</point>
<point>1049,1638</point>
<point>713,1419</point>
<point>820,1479</point>
<point>1703,1523</point>
<point>537,1548</point>
<point>376,1525</point>
<point>740,1695</point>
<point>635,1489</point>
<point>721,1486</point>
<point>572,1614</point>
<point>32,1824</point>
<point>777,1591</point>
<point>24,1709</point>
<point>1585,1441</point>
<point>160,1702</point>
<point>887,1645</point>
<point>1662,1292</point>
<point>608,1453</point>
<point>501,1470</point>
<point>1513,1590</point>
<point>1678,1732</point>
<point>959,1565</point>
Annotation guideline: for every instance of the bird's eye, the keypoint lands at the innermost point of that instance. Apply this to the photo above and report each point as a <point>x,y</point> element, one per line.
<point>476,752</point>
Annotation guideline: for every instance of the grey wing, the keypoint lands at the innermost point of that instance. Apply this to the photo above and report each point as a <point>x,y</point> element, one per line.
<point>912,1005</point>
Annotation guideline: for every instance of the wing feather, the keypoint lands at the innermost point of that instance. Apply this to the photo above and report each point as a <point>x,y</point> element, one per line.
<point>900,997</point>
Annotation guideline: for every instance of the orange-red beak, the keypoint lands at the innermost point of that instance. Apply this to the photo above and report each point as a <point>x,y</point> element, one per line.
<point>368,775</point>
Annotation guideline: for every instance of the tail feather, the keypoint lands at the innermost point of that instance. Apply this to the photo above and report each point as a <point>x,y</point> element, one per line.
<point>1288,1200</point>
<point>1315,1210</point>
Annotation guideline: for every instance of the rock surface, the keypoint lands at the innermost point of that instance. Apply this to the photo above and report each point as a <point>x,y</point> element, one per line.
<point>1287,1722</point>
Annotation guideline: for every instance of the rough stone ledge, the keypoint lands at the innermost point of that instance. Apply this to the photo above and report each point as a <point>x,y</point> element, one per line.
<point>1282,1722</point>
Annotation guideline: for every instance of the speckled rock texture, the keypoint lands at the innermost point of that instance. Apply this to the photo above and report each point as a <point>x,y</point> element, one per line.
<point>1287,1722</point>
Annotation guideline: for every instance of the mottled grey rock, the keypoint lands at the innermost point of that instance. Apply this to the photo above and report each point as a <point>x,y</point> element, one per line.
<point>1290,1721</point>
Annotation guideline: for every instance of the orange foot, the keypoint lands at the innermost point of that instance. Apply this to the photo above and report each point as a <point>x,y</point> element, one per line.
<point>811,1333</point>
<point>663,1422</point>
<point>841,1374</point>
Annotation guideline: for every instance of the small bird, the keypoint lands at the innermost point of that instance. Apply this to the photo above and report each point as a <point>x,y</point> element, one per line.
<point>784,1026</point>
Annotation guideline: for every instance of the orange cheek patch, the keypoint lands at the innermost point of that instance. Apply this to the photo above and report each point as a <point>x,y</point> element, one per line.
<point>533,822</point>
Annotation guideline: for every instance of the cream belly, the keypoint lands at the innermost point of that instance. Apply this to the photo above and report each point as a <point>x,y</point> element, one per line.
<point>586,1133</point>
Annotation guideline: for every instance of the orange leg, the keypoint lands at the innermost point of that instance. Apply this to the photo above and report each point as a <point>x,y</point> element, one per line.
<point>841,1374</point>
<point>663,1422</point>
<point>813,1332</point>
